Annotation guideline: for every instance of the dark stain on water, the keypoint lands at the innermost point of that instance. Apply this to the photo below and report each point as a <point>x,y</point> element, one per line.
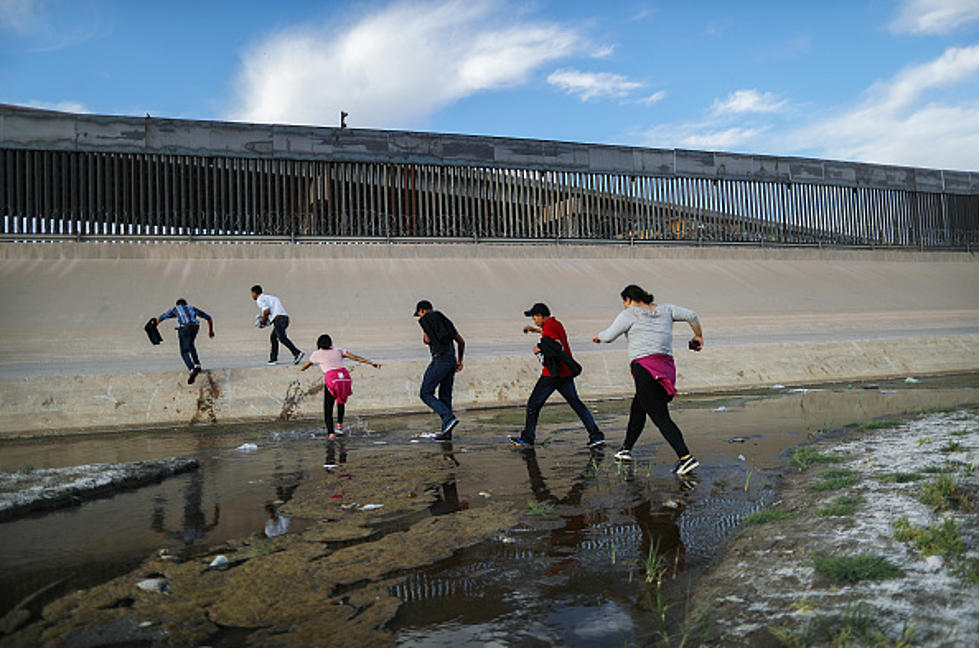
<point>570,574</point>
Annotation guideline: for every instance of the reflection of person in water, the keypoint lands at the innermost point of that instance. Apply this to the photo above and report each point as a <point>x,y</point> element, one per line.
<point>277,524</point>
<point>660,528</point>
<point>336,454</point>
<point>195,525</point>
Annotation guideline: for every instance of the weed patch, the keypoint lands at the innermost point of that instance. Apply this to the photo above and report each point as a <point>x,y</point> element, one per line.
<point>836,480</point>
<point>853,569</point>
<point>943,494</point>
<point>940,540</point>
<point>858,626</point>
<point>768,515</point>
<point>841,507</point>
<point>804,457</point>
<point>951,446</point>
<point>876,425</point>
<point>902,477</point>
<point>540,508</point>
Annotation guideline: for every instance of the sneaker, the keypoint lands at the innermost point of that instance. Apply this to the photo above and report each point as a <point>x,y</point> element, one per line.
<point>623,455</point>
<point>298,357</point>
<point>338,429</point>
<point>520,443</point>
<point>594,444</point>
<point>443,436</point>
<point>687,483</point>
<point>272,363</point>
<point>683,467</point>
<point>193,375</point>
<point>451,425</point>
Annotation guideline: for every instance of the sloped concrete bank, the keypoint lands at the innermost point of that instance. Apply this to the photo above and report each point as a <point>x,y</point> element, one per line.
<point>51,405</point>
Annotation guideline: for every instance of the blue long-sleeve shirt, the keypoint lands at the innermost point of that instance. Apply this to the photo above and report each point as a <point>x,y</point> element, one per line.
<point>185,314</point>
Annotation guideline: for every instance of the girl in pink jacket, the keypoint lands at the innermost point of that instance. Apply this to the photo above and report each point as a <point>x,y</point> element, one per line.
<point>336,378</point>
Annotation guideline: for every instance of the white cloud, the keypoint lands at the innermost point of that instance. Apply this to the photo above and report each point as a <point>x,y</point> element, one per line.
<point>702,135</point>
<point>19,15</point>
<point>656,97</point>
<point>934,16</point>
<point>749,101</point>
<point>906,121</point>
<point>62,106</point>
<point>397,66</point>
<point>592,85</point>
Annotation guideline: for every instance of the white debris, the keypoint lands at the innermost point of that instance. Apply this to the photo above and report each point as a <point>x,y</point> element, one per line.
<point>331,466</point>
<point>934,562</point>
<point>219,562</point>
<point>911,380</point>
<point>485,494</point>
<point>247,447</point>
<point>741,457</point>
<point>778,386</point>
<point>153,585</point>
<point>720,409</point>
<point>371,507</point>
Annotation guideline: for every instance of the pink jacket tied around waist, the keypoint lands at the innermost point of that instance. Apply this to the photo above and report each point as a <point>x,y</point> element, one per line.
<point>339,383</point>
<point>661,367</point>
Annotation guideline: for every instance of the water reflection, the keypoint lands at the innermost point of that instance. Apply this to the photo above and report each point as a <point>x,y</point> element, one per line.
<point>195,526</point>
<point>336,454</point>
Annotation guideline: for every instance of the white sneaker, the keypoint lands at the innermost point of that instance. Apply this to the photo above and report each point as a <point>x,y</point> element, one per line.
<point>623,455</point>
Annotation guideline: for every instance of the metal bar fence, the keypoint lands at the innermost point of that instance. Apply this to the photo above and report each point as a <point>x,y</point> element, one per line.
<point>47,194</point>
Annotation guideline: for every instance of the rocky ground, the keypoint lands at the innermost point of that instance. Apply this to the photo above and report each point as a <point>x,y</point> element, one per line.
<point>905,499</point>
<point>31,489</point>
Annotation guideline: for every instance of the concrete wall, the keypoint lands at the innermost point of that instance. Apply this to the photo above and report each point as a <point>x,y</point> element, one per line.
<point>74,356</point>
<point>49,130</point>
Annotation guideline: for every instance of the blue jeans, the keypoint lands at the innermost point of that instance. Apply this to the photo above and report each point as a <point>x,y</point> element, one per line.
<point>186,334</point>
<point>279,325</point>
<point>440,373</point>
<point>547,385</point>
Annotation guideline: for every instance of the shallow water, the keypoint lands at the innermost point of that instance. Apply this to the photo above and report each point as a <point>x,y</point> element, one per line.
<point>567,577</point>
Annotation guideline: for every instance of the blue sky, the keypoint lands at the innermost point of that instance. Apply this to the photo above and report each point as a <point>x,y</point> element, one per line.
<point>890,81</point>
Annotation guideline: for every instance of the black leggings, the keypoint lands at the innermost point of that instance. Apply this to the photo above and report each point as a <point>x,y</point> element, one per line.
<point>328,401</point>
<point>651,399</point>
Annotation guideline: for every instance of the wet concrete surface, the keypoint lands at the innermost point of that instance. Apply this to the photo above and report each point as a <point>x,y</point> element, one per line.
<point>549,544</point>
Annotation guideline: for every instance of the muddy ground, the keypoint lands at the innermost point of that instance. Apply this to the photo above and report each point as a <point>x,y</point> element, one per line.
<point>766,592</point>
<point>338,560</point>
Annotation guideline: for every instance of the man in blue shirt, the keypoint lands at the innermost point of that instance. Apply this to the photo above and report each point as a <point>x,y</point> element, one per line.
<point>187,328</point>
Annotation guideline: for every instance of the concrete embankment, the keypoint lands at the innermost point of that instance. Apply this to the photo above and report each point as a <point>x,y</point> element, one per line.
<point>74,357</point>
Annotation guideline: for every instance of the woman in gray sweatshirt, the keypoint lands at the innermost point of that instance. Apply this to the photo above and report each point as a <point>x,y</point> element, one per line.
<point>648,327</point>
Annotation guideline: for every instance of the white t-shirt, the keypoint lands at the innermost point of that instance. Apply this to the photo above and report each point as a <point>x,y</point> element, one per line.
<point>272,303</point>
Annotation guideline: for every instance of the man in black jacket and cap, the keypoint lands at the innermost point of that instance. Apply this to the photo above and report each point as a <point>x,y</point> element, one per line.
<point>557,375</point>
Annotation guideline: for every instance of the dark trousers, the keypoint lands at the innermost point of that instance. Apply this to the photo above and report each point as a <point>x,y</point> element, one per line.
<point>651,400</point>
<point>441,373</point>
<point>328,401</point>
<point>187,334</point>
<point>279,326</point>
<point>547,385</point>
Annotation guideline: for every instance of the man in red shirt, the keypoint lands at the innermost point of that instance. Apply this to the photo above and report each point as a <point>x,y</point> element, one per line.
<point>551,329</point>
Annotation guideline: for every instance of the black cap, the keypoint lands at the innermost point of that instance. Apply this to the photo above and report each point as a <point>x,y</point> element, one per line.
<point>423,305</point>
<point>538,309</point>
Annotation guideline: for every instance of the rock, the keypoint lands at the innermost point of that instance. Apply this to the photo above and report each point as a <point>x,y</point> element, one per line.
<point>737,439</point>
<point>934,562</point>
<point>158,585</point>
<point>14,620</point>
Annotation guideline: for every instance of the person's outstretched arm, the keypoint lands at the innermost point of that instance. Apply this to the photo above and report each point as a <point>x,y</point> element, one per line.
<point>354,356</point>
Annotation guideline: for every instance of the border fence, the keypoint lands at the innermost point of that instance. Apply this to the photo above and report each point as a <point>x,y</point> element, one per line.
<point>97,177</point>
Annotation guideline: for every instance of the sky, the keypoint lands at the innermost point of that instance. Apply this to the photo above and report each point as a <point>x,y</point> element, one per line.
<point>885,81</point>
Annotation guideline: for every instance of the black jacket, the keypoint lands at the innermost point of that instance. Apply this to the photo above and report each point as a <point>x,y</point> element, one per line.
<point>152,332</point>
<point>555,355</point>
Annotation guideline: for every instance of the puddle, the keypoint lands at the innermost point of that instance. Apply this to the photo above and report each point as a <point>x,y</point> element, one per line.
<point>567,575</point>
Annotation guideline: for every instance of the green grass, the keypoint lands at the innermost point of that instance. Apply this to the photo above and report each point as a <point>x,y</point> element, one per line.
<point>943,539</point>
<point>962,432</point>
<point>804,457</point>
<point>836,479</point>
<point>26,469</point>
<point>939,470</point>
<point>857,627</point>
<point>853,569</point>
<point>767,515</point>
<point>951,446</point>
<point>875,425</point>
<point>540,508</point>
<point>902,477</point>
<point>969,570</point>
<point>943,494</point>
<point>841,507</point>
